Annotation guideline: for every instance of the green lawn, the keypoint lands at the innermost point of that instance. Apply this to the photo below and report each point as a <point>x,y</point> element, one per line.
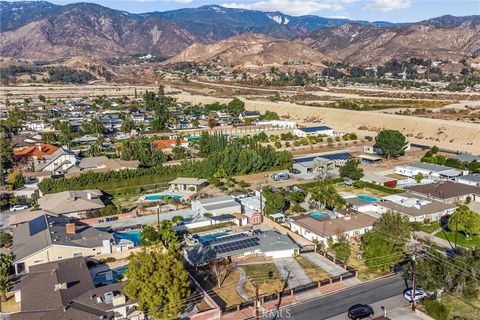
<point>425,227</point>
<point>473,241</point>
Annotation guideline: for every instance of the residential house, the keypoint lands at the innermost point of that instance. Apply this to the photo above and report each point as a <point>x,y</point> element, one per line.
<point>416,207</point>
<point>167,144</point>
<point>249,116</point>
<point>428,170</point>
<point>352,225</point>
<point>313,131</point>
<point>38,151</point>
<point>472,179</point>
<point>217,206</point>
<point>49,238</point>
<point>75,204</point>
<point>100,164</point>
<point>448,191</point>
<point>58,162</point>
<point>258,244</point>
<point>252,208</point>
<point>64,290</point>
<point>188,184</point>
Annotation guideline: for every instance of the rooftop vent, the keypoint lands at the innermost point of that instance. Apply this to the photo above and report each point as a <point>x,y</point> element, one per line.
<point>108,296</point>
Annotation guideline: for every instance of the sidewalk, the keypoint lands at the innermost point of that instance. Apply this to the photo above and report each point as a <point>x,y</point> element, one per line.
<point>264,309</point>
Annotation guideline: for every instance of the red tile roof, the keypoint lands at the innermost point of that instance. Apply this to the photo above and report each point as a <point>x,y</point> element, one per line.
<point>167,143</point>
<point>39,151</point>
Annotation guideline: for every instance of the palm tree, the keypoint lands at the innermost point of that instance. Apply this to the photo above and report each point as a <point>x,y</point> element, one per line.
<point>94,150</point>
<point>323,193</point>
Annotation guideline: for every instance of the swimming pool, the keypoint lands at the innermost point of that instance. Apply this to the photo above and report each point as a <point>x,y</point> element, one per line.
<point>209,237</point>
<point>101,277</point>
<point>367,198</point>
<point>318,215</point>
<point>133,236</point>
<point>161,196</point>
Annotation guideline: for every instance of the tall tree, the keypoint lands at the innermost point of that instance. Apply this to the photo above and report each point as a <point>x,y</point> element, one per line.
<point>351,170</point>
<point>235,107</point>
<point>159,282</point>
<point>464,220</point>
<point>392,143</point>
<point>384,245</point>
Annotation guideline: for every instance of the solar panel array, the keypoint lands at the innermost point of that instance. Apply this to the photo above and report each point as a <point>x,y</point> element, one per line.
<point>226,238</point>
<point>37,225</point>
<point>237,245</point>
<point>333,156</point>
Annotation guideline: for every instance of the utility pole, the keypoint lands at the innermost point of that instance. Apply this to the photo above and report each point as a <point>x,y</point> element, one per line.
<point>414,284</point>
<point>257,302</point>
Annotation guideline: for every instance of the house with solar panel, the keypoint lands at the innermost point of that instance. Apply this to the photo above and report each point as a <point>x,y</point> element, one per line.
<point>313,131</point>
<point>241,246</point>
<point>322,165</point>
<point>49,238</point>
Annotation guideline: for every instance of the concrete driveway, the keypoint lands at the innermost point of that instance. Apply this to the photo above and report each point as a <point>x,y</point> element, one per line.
<point>291,271</point>
<point>324,263</point>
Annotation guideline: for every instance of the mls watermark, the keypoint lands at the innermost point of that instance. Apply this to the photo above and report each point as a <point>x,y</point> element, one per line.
<point>284,313</point>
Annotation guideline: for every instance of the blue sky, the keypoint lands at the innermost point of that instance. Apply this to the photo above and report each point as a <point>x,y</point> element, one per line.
<point>371,10</point>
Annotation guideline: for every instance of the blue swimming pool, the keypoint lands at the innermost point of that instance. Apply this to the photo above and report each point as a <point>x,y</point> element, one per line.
<point>367,197</point>
<point>161,196</point>
<point>209,237</point>
<point>101,277</point>
<point>318,215</point>
<point>133,236</point>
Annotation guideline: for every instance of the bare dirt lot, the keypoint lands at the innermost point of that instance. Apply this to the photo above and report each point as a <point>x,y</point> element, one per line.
<point>453,135</point>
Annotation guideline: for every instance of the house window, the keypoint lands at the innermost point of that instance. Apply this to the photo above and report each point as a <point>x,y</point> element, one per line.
<point>77,254</point>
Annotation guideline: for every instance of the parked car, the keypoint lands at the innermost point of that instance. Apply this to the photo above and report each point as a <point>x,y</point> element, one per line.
<point>18,207</point>
<point>294,171</point>
<point>360,311</point>
<point>419,294</point>
<point>280,176</point>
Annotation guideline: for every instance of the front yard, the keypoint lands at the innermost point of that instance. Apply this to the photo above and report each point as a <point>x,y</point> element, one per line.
<point>358,263</point>
<point>462,240</point>
<point>225,293</point>
<point>312,271</point>
<point>265,275</point>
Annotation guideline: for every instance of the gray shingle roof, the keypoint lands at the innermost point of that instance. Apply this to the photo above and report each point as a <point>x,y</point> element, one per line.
<point>25,243</point>
<point>266,241</point>
<point>71,201</point>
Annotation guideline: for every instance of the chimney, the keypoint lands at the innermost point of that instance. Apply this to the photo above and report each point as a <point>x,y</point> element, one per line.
<point>39,147</point>
<point>89,196</point>
<point>119,300</point>
<point>60,286</point>
<point>70,228</point>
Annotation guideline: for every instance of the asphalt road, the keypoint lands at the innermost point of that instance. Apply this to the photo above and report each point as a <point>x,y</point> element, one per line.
<point>338,303</point>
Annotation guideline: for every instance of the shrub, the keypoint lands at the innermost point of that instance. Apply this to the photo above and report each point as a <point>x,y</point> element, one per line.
<point>436,309</point>
<point>106,260</point>
<point>278,144</point>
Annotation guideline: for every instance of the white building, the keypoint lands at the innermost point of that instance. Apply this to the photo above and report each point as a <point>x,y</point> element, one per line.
<point>353,225</point>
<point>427,170</point>
<point>313,131</point>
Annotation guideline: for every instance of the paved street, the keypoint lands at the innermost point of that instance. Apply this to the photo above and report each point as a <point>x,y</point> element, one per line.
<point>337,304</point>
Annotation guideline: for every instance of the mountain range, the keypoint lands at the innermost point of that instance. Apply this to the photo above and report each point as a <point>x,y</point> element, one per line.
<point>42,30</point>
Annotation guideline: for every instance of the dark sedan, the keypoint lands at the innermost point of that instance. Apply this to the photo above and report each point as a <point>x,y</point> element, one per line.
<point>360,311</point>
